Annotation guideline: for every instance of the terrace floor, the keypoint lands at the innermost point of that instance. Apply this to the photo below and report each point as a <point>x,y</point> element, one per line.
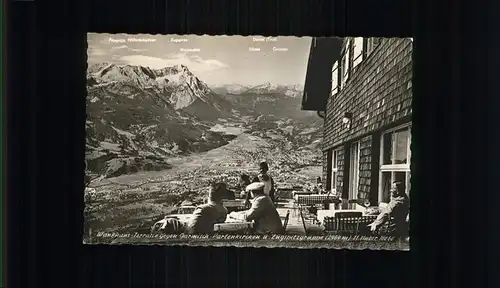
<point>295,225</point>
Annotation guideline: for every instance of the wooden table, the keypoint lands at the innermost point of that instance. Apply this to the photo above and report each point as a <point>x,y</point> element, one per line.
<point>234,225</point>
<point>296,193</point>
<point>234,205</point>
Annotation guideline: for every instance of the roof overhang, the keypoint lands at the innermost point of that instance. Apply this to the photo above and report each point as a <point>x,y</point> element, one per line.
<point>325,51</point>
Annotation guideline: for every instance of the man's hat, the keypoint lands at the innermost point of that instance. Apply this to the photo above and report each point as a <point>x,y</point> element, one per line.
<point>255,186</point>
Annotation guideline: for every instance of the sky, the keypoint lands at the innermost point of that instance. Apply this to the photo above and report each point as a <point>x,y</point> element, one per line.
<point>216,60</point>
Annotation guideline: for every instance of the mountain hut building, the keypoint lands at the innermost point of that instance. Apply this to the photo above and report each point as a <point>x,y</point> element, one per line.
<point>362,88</point>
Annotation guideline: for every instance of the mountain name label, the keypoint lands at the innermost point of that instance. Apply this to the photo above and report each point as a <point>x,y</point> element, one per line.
<point>178,40</point>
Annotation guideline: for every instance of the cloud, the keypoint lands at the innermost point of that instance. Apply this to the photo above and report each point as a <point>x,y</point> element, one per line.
<point>91,51</point>
<point>194,62</point>
<point>125,47</point>
<point>119,47</point>
<point>138,50</point>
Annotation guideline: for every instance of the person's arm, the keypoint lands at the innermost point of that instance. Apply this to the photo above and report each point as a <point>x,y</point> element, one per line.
<point>384,215</point>
<point>193,222</point>
<point>255,211</point>
<point>238,215</point>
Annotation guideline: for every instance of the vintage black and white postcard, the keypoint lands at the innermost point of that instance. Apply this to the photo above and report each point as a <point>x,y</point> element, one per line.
<point>248,141</point>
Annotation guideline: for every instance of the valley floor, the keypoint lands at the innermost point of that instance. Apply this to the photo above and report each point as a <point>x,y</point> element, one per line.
<point>130,203</point>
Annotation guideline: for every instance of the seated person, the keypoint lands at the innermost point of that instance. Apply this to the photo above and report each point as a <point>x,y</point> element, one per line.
<point>319,186</point>
<point>204,216</point>
<point>262,212</point>
<point>243,183</point>
<point>398,208</point>
<point>248,195</point>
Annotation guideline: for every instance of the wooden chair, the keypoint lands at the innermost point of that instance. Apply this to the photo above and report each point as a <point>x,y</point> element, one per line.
<point>285,222</point>
<point>347,221</point>
<point>362,224</point>
<point>303,221</point>
<point>389,228</point>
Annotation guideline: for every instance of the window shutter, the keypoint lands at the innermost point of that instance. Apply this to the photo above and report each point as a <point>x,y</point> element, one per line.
<point>342,72</point>
<point>335,78</point>
<point>357,51</point>
<point>346,61</point>
<point>365,48</point>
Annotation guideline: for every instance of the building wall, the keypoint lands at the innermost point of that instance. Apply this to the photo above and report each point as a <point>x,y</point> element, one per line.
<point>365,167</point>
<point>340,167</point>
<point>325,178</point>
<point>378,93</point>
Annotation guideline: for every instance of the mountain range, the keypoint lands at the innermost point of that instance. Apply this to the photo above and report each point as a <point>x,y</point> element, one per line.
<point>138,117</point>
<point>262,89</point>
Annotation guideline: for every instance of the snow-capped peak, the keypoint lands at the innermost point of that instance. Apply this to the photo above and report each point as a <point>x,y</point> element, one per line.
<point>176,83</point>
<point>269,88</point>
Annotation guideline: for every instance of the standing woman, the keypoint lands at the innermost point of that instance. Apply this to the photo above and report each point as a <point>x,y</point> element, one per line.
<point>267,180</point>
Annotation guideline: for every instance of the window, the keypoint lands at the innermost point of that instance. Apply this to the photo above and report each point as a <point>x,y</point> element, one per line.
<point>335,78</point>
<point>342,71</point>
<point>371,44</point>
<point>357,47</point>
<point>395,158</point>
<point>346,60</point>
<point>354,171</point>
<point>334,170</point>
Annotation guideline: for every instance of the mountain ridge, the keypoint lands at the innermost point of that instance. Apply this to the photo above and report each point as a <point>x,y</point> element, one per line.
<point>266,88</point>
<point>176,84</point>
<point>139,117</point>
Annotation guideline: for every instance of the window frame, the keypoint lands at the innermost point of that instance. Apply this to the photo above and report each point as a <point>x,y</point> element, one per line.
<point>360,56</point>
<point>371,45</point>
<point>354,171</point>
<point>342,72</point>
<point>347,60</point>
<point>335,78</point>
<point>394,168</point>
<point>334,170</point>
